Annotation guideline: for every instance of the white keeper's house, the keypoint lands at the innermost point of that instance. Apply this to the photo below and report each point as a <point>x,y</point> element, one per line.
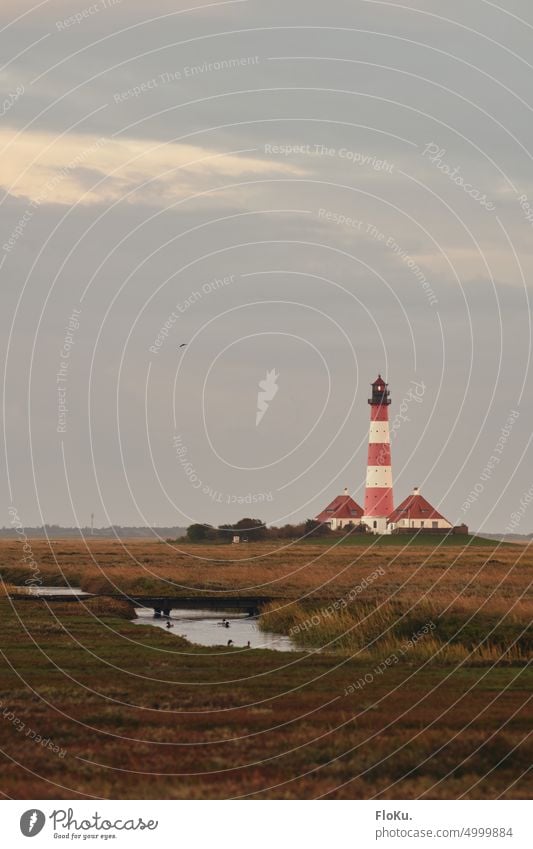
<point>342,511</point>
<point>415,513</point>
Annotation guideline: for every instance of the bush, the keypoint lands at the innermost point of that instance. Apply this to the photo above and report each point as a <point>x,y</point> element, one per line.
<point>250,530</point>
<point>199,533</point>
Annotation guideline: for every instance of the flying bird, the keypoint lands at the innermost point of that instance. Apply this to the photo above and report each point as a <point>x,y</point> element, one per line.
<point>183,344</point>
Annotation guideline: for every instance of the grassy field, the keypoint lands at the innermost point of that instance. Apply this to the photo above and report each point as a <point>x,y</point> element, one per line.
<point>285,572</point>
<point>422,687</point>
<point>95,706</point>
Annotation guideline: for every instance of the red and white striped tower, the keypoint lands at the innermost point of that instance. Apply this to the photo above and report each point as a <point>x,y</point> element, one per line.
<point>378,494</point>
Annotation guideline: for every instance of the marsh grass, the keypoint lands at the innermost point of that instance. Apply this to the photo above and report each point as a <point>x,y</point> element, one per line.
<point>277,729</point>
<point>452,631</point>
<point>286,572</point>
<point>470,593</point>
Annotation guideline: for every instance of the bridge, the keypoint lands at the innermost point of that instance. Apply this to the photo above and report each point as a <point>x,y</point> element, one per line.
<point>161,605</point>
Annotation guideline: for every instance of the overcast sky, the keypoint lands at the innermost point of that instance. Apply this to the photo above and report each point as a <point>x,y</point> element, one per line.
<point>319,191</point>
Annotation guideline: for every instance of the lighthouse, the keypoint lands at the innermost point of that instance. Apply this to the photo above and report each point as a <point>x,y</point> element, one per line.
<point>378,493</point>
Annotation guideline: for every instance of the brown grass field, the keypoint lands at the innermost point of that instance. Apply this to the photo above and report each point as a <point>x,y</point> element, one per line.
<point>95,706</point>
<point>284,571</point>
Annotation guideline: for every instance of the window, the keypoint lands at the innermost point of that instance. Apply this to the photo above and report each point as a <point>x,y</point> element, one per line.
<point>434,524</point>
<point>375,524</point>
<point>422,523</point>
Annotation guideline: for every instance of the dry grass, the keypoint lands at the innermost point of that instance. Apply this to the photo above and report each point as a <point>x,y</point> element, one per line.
<point>287,572</point>
<point>478,597</point>
<point>102,606</point>
<point>169,720</point>
<point>140,714</point>
<point>471,630</point>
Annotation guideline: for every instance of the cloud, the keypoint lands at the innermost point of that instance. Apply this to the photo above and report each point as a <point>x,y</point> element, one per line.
<point>90,11</point>
<point>48,169</point>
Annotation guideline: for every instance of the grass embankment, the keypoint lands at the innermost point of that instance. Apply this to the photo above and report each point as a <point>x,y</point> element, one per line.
<point>93,705</point>
<point>399,540</point>
<point>442,631</point>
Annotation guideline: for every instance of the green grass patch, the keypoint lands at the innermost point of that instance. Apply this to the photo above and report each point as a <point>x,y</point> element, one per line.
<point>400,540</point>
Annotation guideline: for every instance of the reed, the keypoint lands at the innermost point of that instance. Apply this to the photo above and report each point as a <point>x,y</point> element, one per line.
<point>470,630</point>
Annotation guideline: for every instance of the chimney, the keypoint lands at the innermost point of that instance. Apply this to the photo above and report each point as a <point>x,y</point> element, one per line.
<point>415,490</point>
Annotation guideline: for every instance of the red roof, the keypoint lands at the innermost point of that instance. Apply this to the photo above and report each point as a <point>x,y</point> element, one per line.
<point>415,506</point>
<point>342,507</point>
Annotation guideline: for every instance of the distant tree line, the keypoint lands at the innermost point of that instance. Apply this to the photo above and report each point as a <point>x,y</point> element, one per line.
<point>60,532</point>
<point>255,530</point>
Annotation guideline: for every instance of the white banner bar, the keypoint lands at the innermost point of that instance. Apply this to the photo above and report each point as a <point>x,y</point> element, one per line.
<point>264,824</point>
